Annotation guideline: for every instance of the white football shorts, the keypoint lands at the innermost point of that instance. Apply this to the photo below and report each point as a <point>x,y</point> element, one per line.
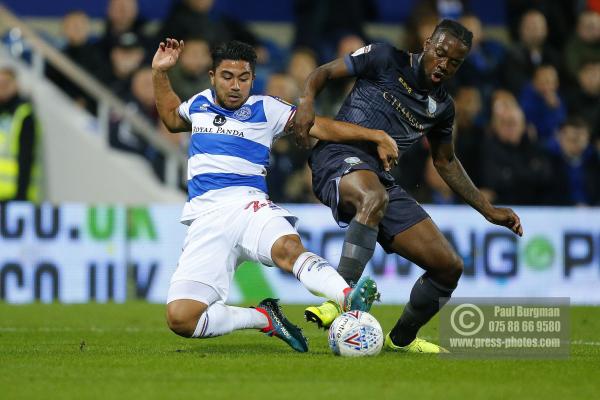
<point>218,241</point>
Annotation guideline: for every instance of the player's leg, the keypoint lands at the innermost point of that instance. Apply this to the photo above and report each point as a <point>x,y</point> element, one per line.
<point>362,195</point>
<point>194,311</point>
<point>200,284</point>
<point>351,188</point>
<point>426,246</point>
<point>361,199</point>
<point>280,245</point>
<point>407,230</point>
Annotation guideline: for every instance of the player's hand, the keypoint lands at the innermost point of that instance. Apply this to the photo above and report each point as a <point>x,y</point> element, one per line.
<point>167,54</point>
<point>505,217</point>
<point>387,149</point>
<point>304,118</point>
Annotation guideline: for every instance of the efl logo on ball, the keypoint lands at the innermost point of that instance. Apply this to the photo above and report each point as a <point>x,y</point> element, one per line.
<point>355,334</point>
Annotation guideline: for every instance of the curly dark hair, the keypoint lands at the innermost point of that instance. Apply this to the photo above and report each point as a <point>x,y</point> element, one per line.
<point>455,29</point>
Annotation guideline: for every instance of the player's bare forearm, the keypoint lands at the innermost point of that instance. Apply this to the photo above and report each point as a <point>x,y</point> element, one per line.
<point>317,79</point>
<point>315,82</point>
<point>305,114</point>
<point>340,131</point>
<point>167,102</point>
<point>453,173</point>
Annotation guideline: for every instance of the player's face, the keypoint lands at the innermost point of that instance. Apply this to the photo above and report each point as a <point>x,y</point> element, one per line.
<point>8,86</point>
<point>232,81</point>
<point>443,54</point>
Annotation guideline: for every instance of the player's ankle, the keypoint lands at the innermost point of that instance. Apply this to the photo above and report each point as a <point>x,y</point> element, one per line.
<point>269,326</point>
<point>401,339</point>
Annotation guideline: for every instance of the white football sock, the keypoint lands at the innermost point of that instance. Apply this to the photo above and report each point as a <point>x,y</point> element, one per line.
<point>319,277</point>
<point>221,319</point>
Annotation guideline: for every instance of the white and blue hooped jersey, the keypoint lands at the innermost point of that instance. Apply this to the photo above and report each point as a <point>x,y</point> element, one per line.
<point>229,150</point>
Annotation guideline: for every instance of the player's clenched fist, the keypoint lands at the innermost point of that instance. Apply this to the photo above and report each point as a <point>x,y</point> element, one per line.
<point>167,54</point>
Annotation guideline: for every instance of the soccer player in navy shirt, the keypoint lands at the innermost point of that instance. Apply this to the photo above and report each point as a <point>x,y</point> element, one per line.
<point>402,94</point>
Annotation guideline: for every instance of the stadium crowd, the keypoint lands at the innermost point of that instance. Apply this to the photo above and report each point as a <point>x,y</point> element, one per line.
<point>527,126</point>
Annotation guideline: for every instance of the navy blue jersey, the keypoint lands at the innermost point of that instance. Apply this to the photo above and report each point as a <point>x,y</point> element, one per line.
<point>387,96</point>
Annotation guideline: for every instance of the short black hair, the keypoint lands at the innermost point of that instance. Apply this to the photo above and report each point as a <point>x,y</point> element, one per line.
<point>455,29</point>
<point>233,50</point>
<point>575,121</point>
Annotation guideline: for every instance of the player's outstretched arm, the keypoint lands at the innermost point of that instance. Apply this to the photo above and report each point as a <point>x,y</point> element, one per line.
<point>305,114</point>
<point>339,131</point>
<point>167,101</point>
<point>453,173</point>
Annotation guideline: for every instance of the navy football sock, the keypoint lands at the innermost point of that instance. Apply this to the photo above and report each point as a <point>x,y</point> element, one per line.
<point>359,245</point>
<point>423,305</point>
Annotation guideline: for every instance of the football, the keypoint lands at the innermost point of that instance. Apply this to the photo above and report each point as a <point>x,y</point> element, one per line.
<point>355,334</point>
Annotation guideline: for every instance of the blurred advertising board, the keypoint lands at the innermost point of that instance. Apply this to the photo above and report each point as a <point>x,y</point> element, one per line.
<point>75,253</point>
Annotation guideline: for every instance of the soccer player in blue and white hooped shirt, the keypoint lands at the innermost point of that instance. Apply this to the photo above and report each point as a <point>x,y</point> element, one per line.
<point>228,212</point>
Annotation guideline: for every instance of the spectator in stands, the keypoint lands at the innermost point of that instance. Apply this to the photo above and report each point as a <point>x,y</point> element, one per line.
<point>302,62</point>
<point>584,44</point>
<point>418,28</point>
<point>193,18</point>
<point>481,68</point>
<point>514,169</point>
<point>319,24</point>
<point>584,98</point>
<point>298,187</point>
<point>125,58</point>
<point>140,100</point>
<point>80,49</point>
<point>282,86</point>
<point>468,132</point>
<point>435,190</point>
<point>19,143</point>
<point>286,160</point>
<point>196,19</point>
<point>142,93</point>
<point>425,15</point>
<point>542,104</point>
<point>190,75</point>
<point>575,167</point>
<point>122,16</point>
<point>560,15</point>
<point>334,94</point>
<point>530,51</point>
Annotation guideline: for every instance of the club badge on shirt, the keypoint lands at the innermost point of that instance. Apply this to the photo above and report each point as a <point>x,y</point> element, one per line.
<point>431,106</point>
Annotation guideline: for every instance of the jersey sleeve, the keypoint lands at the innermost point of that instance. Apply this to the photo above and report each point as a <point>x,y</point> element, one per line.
<point>442,131</point>
<point>280,112</point>
<point>184,109</point>
<point>369,61</point>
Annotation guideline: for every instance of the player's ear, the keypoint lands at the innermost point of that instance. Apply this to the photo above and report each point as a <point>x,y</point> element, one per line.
<point>211,74</point>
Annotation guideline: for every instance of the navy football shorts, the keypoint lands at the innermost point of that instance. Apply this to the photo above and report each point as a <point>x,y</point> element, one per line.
<point>332,161</point>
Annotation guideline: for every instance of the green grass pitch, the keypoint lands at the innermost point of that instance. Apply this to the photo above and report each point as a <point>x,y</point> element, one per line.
<point>111,351</point>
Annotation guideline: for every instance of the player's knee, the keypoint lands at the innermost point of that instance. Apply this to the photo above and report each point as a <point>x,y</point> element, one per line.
<point>448,271</point>
<point>181,321</point>
<point>286,251</point>
<point>456,268</point>
<point>373,204</point>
